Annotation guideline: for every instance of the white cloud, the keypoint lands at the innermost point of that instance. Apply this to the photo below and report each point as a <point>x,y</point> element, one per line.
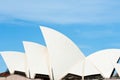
<point>74,11</point>
<point>96,34</point>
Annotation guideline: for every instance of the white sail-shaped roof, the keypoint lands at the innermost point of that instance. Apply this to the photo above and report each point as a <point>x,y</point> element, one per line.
<point>103,60</point>
<point>84,68</point>
<point>90,68</point>
<point>37,58</point>
<point>15,61</point>
<point>63,52</point>
<point>112,54</point>
<point>77,68</point>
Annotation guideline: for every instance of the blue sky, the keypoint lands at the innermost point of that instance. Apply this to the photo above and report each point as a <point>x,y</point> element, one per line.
<point>92,24</point>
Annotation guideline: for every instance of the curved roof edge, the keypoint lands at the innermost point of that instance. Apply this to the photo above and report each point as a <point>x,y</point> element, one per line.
<point>37,58</point>
<point>104,63</point>
<point>59,47</point>
<point>15,61</point>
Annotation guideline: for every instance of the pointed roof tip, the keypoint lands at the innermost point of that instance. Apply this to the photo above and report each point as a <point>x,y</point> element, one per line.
<point>24,42</point>
<point>42,27</point>
<point>27,42</point>
<point>32,43</point>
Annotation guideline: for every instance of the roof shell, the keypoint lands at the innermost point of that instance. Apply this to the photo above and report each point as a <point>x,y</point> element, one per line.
<point>101,62</point>
<point>104,60</point>
<point>15,61</point>
<point>36,58</point>
<point>63,52</point>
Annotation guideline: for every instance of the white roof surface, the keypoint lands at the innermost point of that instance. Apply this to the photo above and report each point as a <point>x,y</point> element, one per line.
<point>15,61</point>
<point>63,52</point>
<point>101,62</point>
<point>60,57</point>
<point>36,58</point>
<point>104,60</point>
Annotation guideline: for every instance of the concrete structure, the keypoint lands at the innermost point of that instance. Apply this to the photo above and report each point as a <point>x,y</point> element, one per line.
<point>101,62</point>
<point>61,57</point>
<point>62,52</point>
<point>15,61</point>
<point>37,58</point>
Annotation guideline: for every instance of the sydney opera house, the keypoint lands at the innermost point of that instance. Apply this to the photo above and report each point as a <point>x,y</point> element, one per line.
<point>61,59</point>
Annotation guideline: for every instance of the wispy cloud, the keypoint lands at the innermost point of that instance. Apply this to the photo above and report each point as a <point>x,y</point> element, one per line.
<point>5,18</point>
<point>96,34</point>
<point>74,11</point>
